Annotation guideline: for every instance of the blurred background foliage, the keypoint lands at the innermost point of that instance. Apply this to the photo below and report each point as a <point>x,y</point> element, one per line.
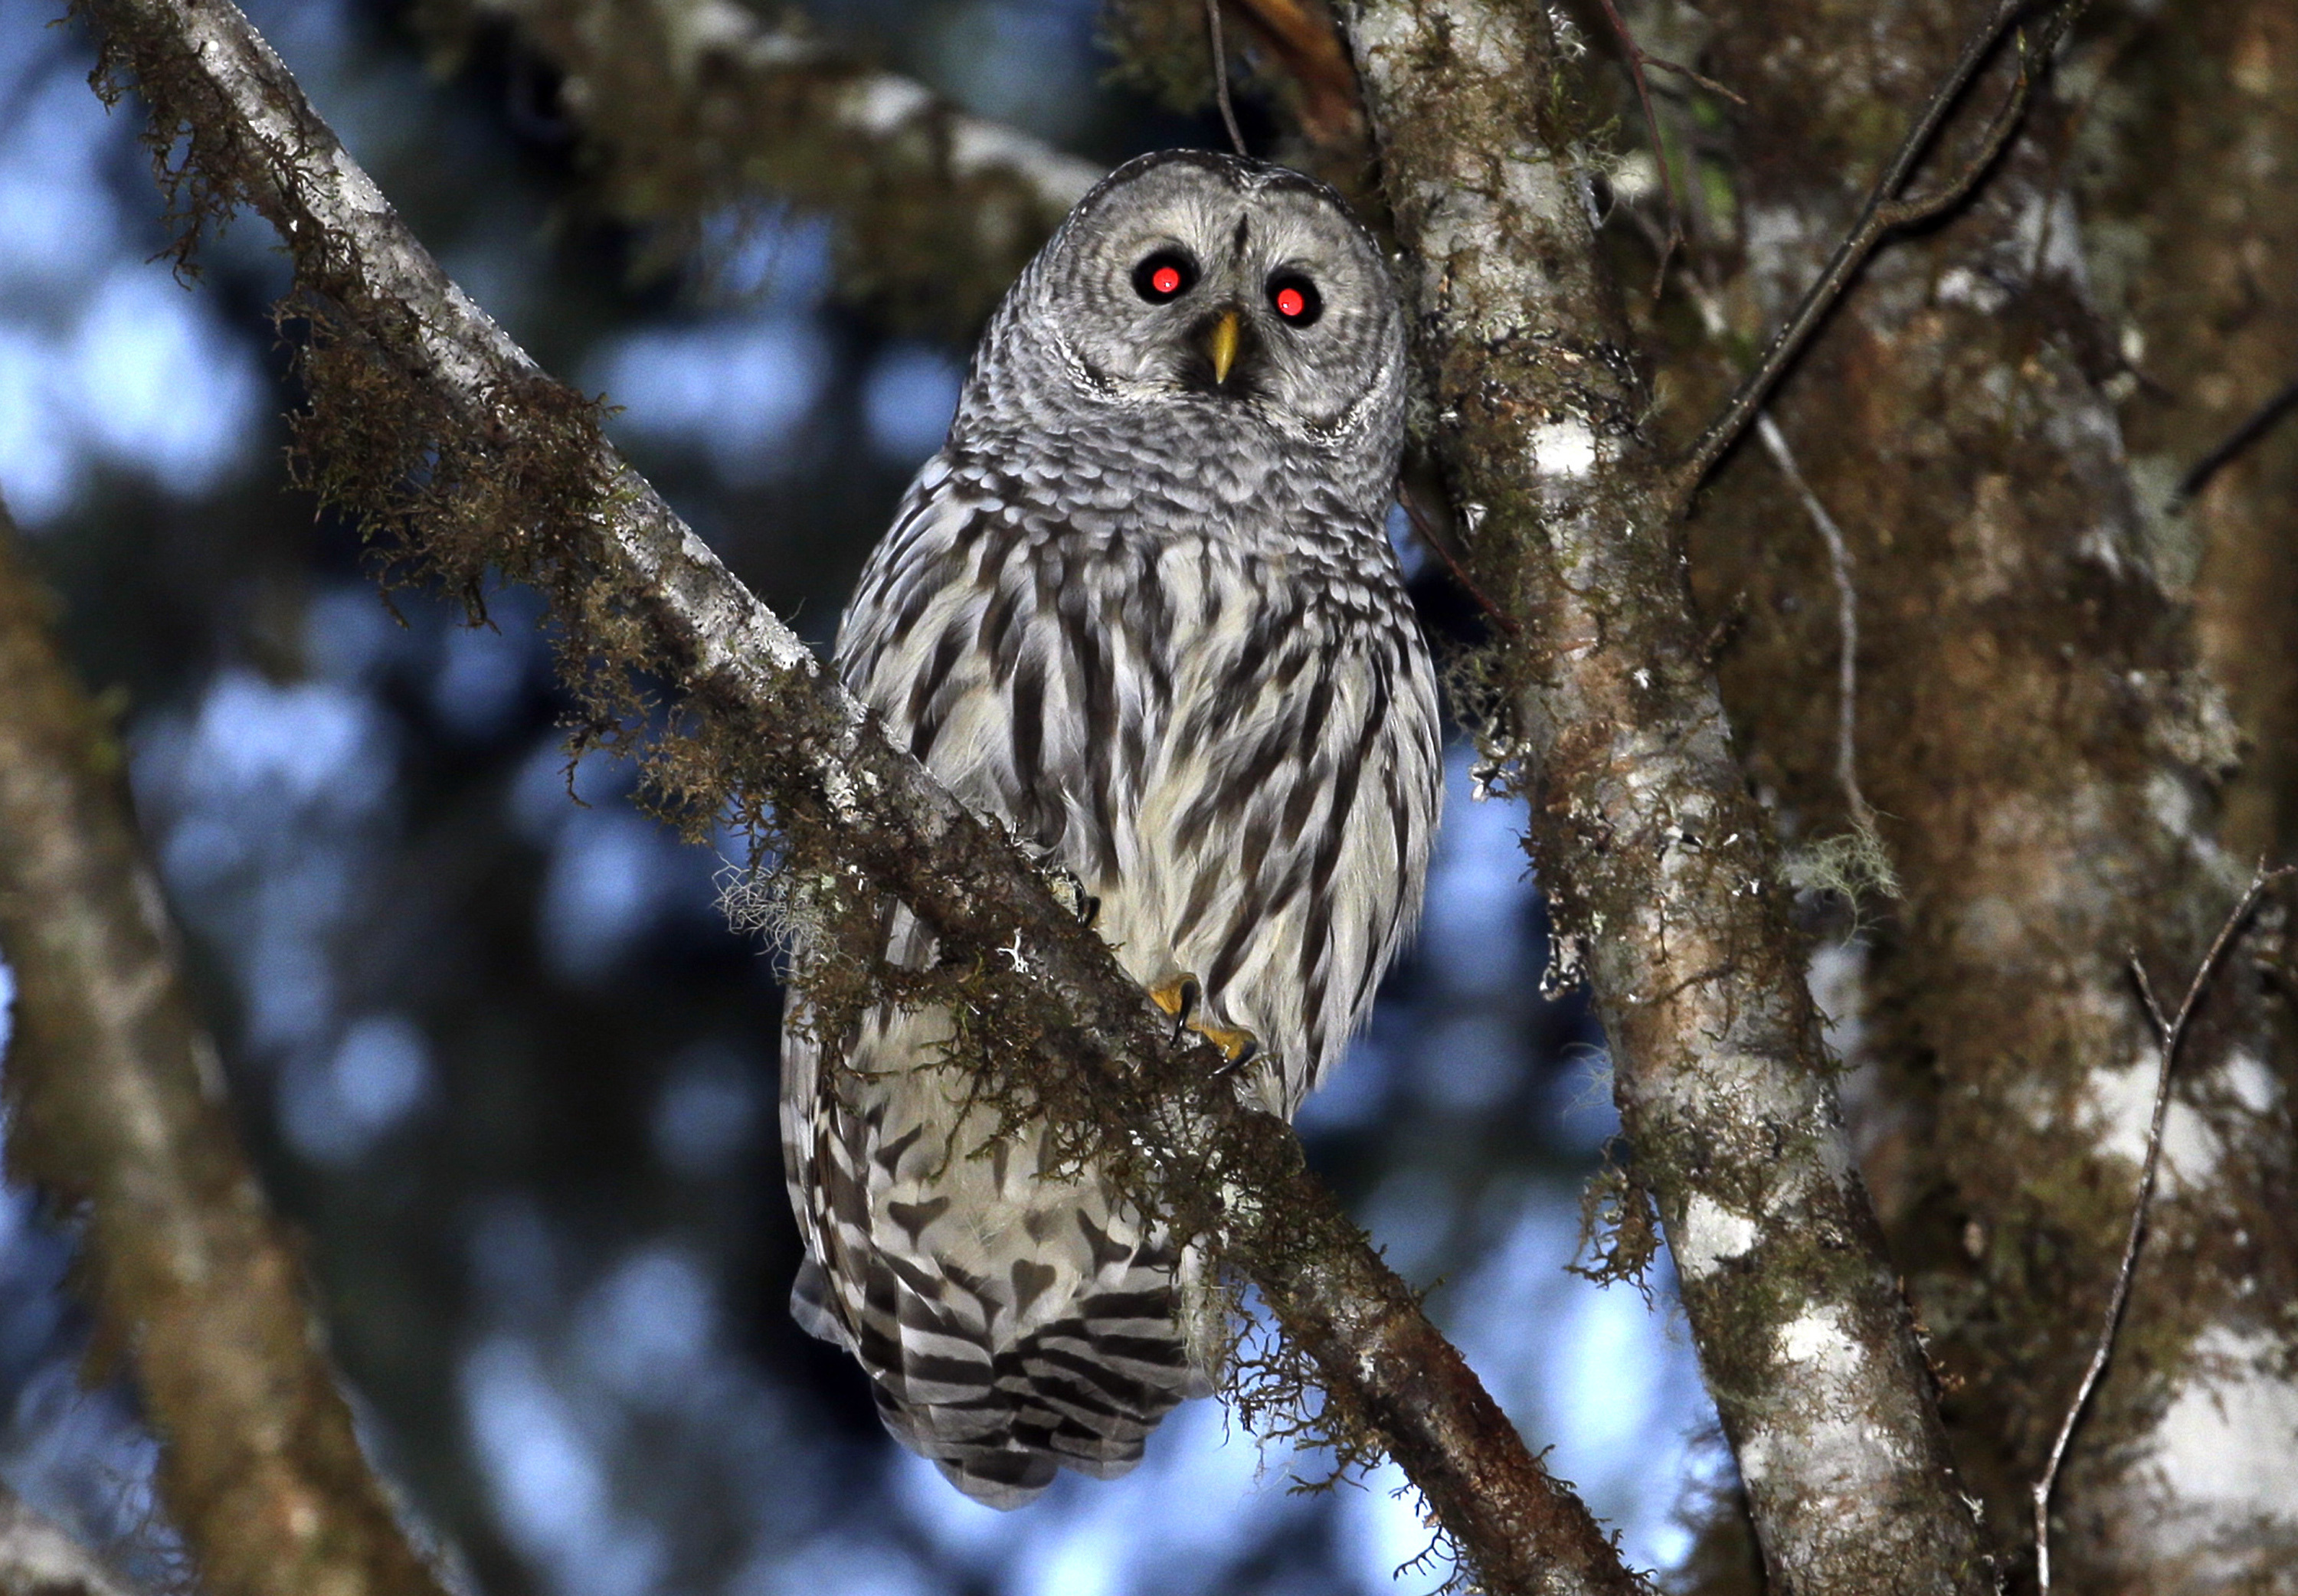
<point>502,1063</point>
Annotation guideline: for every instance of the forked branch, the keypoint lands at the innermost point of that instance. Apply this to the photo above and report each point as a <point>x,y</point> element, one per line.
<point>1887,212</point>
<point>2168,1033</point>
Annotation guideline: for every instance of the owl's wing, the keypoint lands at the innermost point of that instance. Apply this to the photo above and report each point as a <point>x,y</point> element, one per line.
<point>1011,1322</point>
<point>1018,653</point>
<point>1291,813</point>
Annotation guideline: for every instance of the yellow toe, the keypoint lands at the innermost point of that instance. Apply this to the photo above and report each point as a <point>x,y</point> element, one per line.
<point>1178,997</point>
<point>1236,1044</point>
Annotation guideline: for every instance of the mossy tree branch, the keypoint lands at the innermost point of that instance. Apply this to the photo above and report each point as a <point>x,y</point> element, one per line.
<point>687,108</point>
<point>1661,870</point>
<point>431,427</point>
<point>118,1108</point>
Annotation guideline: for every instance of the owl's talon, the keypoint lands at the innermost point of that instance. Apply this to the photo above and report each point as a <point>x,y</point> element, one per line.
<point>1068,890</point>
<point>1238,1045</point>
<point>1178,998</point>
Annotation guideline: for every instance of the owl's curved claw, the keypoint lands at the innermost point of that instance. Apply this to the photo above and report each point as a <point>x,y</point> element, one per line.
<point>1068,889</point>
<point>1238,1045</point>
<point>1178,998</point>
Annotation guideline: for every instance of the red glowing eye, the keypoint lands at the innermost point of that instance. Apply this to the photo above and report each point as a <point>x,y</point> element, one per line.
<point>1166,279</point>
<point>1290,303</point>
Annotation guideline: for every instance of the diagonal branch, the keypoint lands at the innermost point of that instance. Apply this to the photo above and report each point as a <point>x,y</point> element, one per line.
<point>118,1105</point>
<point>2168,1033</point>
<point>1886,212</point>
<point>515,474</point>
<point>2247,432</point>
<point>1305,43</point>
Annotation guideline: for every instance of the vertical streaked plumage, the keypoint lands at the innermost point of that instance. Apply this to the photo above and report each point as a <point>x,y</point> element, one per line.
<point>1142,608</point>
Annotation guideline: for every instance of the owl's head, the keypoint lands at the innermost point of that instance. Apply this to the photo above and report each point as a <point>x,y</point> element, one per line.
<point>1202,280</point>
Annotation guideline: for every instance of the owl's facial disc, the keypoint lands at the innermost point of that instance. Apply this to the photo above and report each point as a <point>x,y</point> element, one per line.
<point>1197,278</point>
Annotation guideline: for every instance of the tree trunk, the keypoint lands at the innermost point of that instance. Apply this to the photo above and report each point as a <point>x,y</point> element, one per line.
<point>2042,733</point>
<point>1657,867</point>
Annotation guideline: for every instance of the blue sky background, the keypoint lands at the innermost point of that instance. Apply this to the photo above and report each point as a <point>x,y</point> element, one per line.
<point>613,1411</point>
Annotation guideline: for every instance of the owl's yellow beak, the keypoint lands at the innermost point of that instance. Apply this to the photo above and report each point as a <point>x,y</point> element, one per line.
<point>1221,343</point>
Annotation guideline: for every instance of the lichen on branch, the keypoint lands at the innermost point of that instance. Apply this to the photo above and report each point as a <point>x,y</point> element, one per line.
<point>691,111</point>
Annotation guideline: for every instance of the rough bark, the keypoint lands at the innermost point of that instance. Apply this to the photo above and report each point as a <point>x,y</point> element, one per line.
<point>634,583</point>
<point>117,1105</point>
<point>2033,725</point>
<point>2186,171</point>
<point>688,108</point>
<point>1660,869</point>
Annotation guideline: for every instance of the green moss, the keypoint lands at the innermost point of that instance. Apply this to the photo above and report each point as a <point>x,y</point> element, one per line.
<point>1619,1230</point>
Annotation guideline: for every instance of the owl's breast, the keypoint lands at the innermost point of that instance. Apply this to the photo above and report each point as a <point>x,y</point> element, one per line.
<point>1217,715</point>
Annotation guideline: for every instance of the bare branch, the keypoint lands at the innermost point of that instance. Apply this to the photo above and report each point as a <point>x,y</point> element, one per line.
<point>1885,213</point>
<point>1847,620</point>
<point>2168,1033</point>
<point>2247,432</point>
<point>1304,41</point>
<point>118,1103</point>
<point>1430,541</point>
<point>1220,75</point>
<point>765,720</point>
<point>1659,867</point>
<point>1673,239</point>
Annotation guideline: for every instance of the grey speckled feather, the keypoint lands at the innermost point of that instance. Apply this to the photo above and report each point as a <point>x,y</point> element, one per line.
<point>1143,609</point>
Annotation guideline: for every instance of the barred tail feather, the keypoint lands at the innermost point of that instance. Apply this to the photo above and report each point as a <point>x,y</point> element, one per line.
<point>1081,1393</point>
<point>1012,1325</point>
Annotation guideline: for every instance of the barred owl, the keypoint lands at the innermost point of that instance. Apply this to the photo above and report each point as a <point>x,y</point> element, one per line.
<point>1141,608</point>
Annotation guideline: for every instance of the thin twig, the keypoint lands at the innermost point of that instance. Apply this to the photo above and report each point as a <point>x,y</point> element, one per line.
<point>1701,78</point>
<point>1847,619</point>
<point>1435,545</point>
<point>2170,1033</point>
<point>1305,43</point>
<point>1220,75</point>
<point>1636,60</point>
<point>2255,427</point>
<point>1885,213</point>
